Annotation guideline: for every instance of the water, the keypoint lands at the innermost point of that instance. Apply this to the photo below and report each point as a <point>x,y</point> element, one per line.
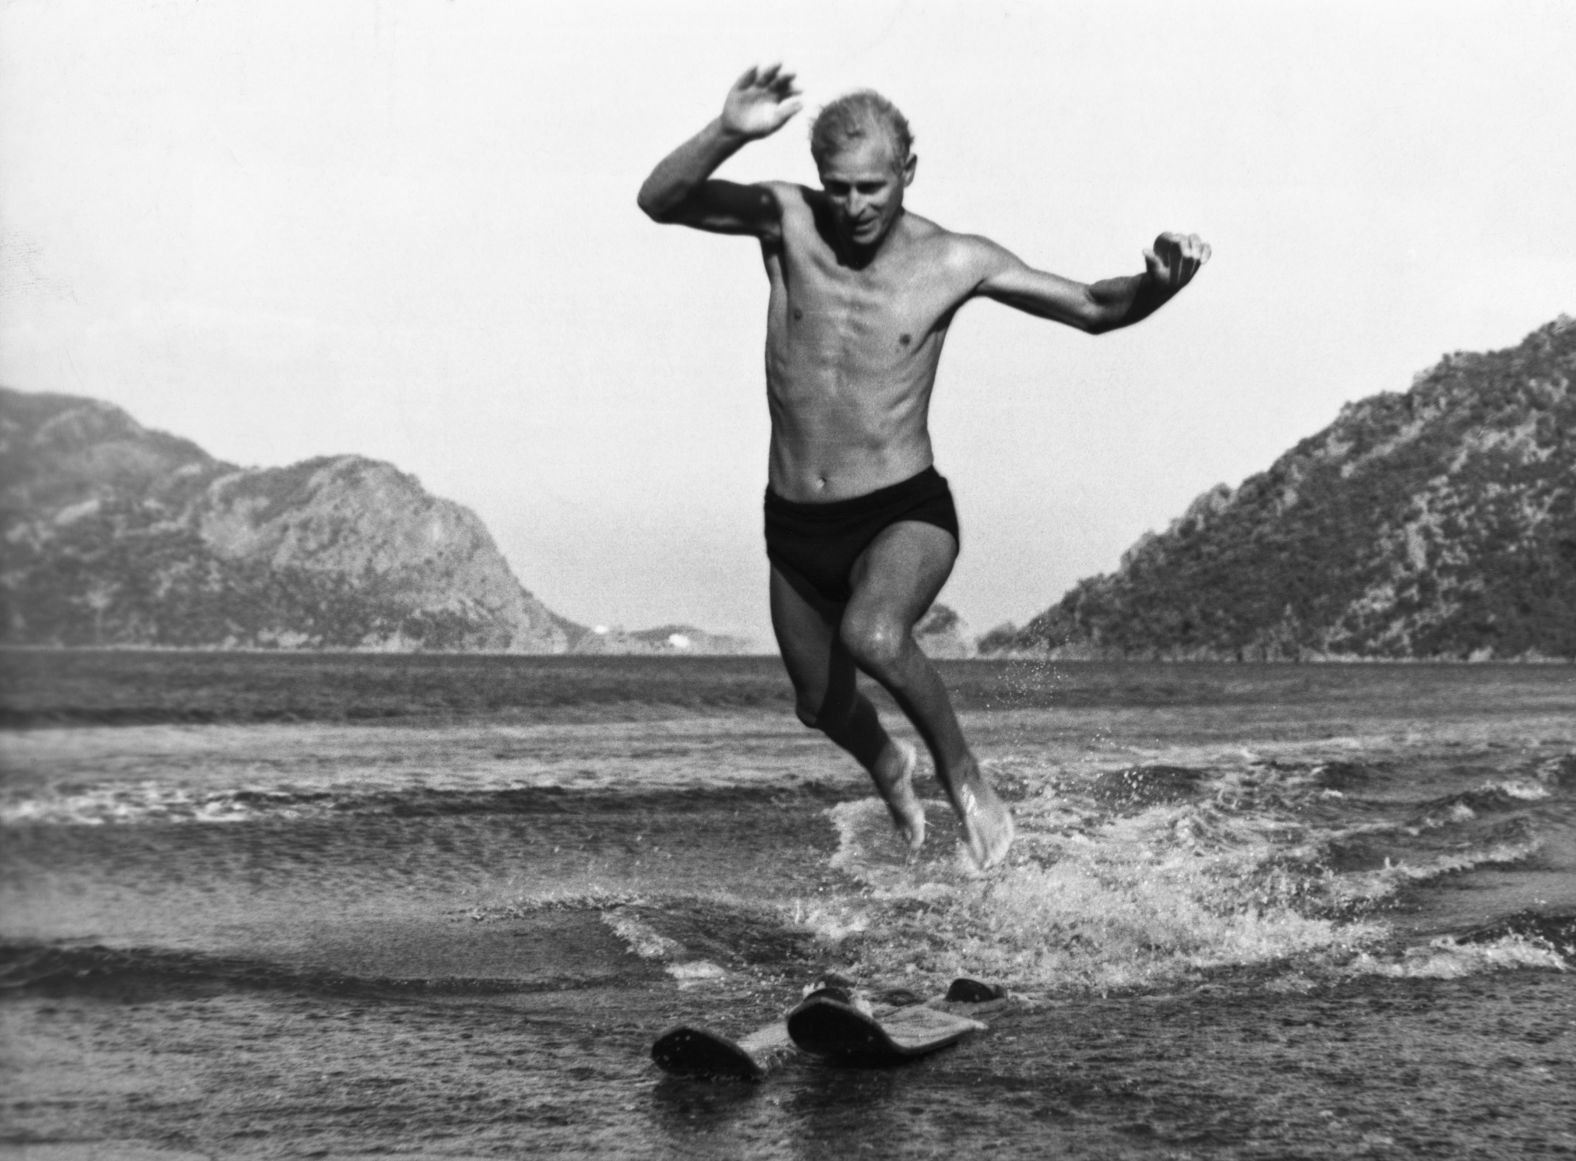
<point>266,906</point>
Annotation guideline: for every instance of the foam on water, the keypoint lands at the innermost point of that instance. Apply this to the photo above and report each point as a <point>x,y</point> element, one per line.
<point>151,801</point>
<point>1142,876</point>
<point>1448,958</point>
<point>648,943</point>
<point>1133,906</point>
<point>644,940</point>
<point>1367,888</point>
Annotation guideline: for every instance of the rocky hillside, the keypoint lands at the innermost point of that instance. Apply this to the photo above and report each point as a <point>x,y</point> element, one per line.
<point>116,535</point>
<point>1438,523</point>
<point>942,634</point>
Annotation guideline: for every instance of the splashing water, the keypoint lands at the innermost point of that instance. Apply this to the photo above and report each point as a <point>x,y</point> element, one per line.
<point>1144,876</point>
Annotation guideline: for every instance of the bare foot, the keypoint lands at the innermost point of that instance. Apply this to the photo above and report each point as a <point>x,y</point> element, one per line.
<point>987,825</point>
<point>908,813</point>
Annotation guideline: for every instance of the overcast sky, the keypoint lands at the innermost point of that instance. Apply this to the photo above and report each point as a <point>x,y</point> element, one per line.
<point>408,231</point>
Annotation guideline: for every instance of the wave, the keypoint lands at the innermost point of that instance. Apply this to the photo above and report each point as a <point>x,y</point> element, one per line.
<point>1524,940</point>
<point>1555,931</point>
<point>1345,777</point>
<point>1144,876</point>
<point>1126,875</point>
<point>150,802</point>
<point>141,973</point>
<point>1143,900</point>
<point>1490,798</point>
<point>1136,787</point>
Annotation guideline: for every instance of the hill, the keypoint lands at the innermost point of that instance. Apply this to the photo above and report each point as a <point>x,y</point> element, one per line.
<point>116,535</point>
<point>1439,523</point>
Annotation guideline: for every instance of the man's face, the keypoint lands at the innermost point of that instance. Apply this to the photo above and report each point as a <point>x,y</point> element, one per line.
<point>865,187</point>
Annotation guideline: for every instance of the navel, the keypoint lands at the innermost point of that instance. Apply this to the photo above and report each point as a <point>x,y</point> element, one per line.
<point>797,313</point>
<point>905,340</point>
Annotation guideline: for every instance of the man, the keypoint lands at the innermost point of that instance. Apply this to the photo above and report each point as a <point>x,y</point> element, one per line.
<point>860,529</point>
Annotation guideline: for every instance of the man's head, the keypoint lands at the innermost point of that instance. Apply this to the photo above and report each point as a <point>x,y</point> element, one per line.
<point>858,116</point>
<point>864,151</point>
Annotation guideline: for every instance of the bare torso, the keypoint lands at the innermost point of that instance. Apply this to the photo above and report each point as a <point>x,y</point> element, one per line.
<point>852,351</point>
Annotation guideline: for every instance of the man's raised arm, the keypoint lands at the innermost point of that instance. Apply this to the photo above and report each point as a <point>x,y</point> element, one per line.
<point>681,188</point>
<point>1096,307</point>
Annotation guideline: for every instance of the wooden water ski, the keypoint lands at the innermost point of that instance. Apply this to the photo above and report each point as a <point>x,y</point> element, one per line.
<point>699,1052</point>
<point>838,1028</point>
<point>693,1050</point>
<point>909,1030</point>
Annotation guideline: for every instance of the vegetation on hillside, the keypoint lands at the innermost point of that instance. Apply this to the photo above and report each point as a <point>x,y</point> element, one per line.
<point>1439,523</point>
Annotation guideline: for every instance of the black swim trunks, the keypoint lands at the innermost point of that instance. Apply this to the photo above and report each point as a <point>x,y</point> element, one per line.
<point>816,544</point>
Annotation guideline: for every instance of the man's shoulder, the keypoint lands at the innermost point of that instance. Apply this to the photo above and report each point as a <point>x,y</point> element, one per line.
<point>789,194</point>
<point>951,248</point>
<point>795,205</point>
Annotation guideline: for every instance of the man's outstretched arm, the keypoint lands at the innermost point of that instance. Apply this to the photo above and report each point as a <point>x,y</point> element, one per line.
<point>681,188</point>
<point>1094,307</point>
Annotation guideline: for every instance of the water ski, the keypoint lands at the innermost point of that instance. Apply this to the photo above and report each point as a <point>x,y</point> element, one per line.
<point>700,1052</point>
<point>689,1050</point>
<point>694,1051</point>
<point>842,1030</point>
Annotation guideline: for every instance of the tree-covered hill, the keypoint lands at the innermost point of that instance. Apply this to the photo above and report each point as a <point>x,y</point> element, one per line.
<point>1438,523</point>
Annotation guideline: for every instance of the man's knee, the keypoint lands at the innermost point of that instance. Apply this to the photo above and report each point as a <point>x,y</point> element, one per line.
<point>877,642</point>
<point>829,713</point>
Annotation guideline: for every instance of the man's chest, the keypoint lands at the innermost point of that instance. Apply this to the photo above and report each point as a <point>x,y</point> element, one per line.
<point>904,298</point>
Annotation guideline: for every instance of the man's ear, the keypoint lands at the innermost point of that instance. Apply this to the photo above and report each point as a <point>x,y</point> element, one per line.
<point>908,169</point>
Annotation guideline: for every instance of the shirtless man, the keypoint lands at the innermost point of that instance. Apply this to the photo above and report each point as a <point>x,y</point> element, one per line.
<point>860,529</point>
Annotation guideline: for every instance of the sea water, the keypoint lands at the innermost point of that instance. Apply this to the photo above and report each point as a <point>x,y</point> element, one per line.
<point>278,906</point>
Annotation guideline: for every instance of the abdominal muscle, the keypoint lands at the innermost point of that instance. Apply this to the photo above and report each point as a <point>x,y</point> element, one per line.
<point>851,357</point>
<point>835,437</point>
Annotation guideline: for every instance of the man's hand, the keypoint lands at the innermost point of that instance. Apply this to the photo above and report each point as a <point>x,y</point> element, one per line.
<point>1100,306</point>
<point>681,188</point>
<point>1174,260</point>
<point>760,102</point>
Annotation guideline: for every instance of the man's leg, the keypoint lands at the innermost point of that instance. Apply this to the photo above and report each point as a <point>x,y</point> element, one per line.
<point>827,698</point>
<point>895,581</point>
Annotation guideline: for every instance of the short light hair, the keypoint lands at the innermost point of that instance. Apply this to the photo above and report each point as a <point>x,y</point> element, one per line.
<point>852,117</point>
